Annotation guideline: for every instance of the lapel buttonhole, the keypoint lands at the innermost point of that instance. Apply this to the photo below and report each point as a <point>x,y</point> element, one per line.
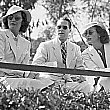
<point>91,54</point>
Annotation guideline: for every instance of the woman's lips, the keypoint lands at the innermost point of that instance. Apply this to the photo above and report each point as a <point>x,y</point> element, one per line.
<point>13,24</point>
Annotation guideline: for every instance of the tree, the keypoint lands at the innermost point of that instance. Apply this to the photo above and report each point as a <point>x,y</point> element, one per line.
<point>59,8</point>
<point>56,8</point>
<point>26,4</point>
<point>98,10</point>
<point>90,10</point>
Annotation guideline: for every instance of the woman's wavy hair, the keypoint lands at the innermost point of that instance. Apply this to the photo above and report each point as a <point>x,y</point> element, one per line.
<point>104,37</point>
<point>24,24</point>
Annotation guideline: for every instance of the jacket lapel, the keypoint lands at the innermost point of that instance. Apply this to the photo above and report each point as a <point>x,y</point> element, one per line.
<point>70,53</point>
<point>20,47</point>
<point>95,57</point>
<point>9,35</point>
<point>57,50</point>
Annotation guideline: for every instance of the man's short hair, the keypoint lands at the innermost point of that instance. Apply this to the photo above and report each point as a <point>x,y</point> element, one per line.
<point>66,19</point>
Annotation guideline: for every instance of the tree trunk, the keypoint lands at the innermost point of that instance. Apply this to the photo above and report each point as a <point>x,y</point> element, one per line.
<point>60,9</point>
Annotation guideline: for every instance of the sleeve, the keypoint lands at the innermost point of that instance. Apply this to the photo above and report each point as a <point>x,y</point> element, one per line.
<point>41,55</point>
<point>27,56</point>
<point>2,46</point>
<point>79,60</point>
<point>3,42</point>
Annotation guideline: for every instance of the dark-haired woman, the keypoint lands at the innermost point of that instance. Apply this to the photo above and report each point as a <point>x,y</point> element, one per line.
<point>16,49</point>
<point>97,55</point>
<point>13,47</point>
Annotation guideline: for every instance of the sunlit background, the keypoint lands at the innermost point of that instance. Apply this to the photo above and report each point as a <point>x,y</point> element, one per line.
<point>39,13</point>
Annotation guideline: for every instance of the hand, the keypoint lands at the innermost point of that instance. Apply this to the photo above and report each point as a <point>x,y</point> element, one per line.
<point>60,65</point>
<point>78,79</point>
<point>33,75</point>
<point>82,79</point>
<point>67,78</point>
<point>15,73</point>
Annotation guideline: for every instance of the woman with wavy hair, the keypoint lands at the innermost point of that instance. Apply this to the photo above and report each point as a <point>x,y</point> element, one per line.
<point>97,55</point>
<point>14,48</point>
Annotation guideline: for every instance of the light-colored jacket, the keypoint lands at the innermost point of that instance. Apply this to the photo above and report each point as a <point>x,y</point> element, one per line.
<point>92,60</point>
<point>50,51</point>
<point>12,52</point>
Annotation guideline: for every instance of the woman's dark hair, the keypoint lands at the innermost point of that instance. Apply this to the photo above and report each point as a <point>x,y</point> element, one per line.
<point>24,24</point>
<point>104,37</point>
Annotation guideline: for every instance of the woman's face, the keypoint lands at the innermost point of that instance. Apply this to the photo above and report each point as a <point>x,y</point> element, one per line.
<point>14,21</point>
<point>91,35</point>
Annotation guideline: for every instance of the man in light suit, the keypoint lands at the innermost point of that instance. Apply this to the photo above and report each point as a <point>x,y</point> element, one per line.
<point>49,54</point>
<point>97,55</point>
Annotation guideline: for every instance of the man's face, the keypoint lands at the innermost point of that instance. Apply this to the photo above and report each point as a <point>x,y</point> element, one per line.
<point>63,30</point>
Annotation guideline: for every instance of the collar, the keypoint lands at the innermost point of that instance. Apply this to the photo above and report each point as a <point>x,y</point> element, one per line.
<point>64,42</point>
<point>15,38</point>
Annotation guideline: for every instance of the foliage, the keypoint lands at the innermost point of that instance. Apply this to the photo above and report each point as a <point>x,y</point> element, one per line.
<point>79,11</point>
<point>48,32</point>
<point>92,9</point>
<point>53,97</point>
<point>97,10</point>
<point>26,4</point>
<point>57,8</point>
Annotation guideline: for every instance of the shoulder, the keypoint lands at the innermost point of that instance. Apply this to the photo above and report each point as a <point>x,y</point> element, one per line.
<point>88,50</point>
<point>24,40</point>
<point>73,44</point>
<point>46,43</point>
<point>3,33</point>
<point>107,44</point>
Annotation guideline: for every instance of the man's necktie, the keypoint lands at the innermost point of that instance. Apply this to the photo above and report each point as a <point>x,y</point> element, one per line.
<point>64,53</point>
